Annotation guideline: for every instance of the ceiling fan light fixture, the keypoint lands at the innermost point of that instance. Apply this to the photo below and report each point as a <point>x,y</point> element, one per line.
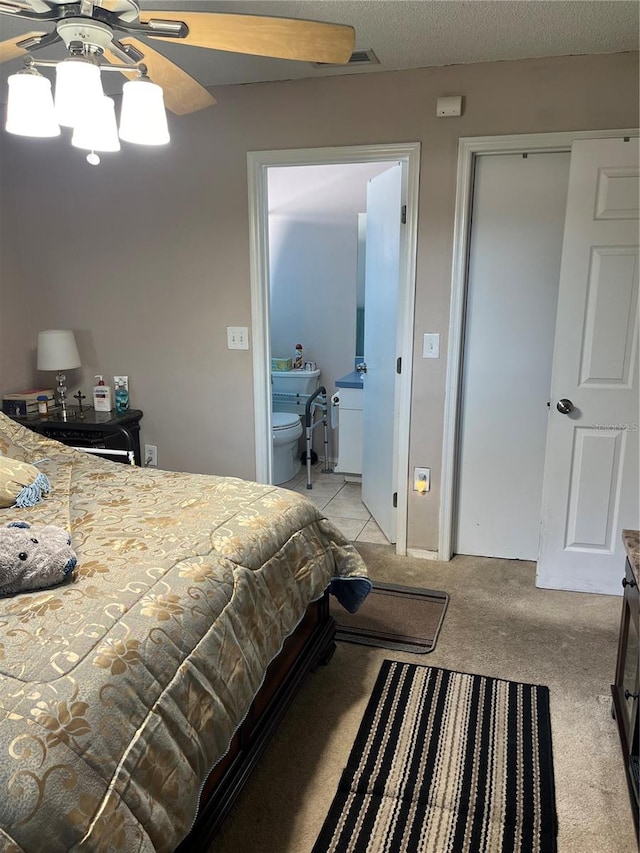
<point>78,90</point>
<point>143,119</point>
<point>30,110</point>
<point>98,130</point>
<point>90,31</point>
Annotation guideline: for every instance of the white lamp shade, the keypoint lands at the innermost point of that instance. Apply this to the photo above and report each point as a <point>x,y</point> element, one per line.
<point>143,119</point>
<point>78,90</point>
<point>57,350</point>
<point>98,131</point>
<point>30,109</point>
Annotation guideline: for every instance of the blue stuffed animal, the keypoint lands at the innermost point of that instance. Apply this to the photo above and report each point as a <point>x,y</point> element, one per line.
<point>34,557</point>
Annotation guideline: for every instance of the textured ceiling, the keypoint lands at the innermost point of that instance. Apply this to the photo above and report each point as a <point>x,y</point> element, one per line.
<point>413,34</point>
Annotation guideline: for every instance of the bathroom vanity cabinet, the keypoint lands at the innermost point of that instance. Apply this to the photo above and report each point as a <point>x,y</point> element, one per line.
<point>349,431</point>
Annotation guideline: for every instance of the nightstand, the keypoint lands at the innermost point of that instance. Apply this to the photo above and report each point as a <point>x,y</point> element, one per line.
<point>95,429</point>
<point>626,686</point>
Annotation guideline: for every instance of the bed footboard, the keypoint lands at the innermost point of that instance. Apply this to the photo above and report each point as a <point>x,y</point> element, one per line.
<point>311,644</point>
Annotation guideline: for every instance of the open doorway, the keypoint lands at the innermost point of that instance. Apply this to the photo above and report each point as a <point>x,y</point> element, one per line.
<point>515,249</point>
<point>322,176</point>
<point>317,250</point>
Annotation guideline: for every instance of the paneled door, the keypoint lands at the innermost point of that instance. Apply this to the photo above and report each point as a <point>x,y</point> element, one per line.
<point>380,408</point>
<point>591,477</point>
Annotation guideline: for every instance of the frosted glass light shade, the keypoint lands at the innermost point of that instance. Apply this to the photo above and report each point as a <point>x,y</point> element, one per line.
<point>30,109</point>
<point>143,119</point>
<point>98,131</point>
<point>78,90</point>
<point>57,350</point>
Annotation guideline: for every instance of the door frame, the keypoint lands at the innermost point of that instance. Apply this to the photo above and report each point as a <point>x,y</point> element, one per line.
<point>258,163</point>
<point>469,149</point>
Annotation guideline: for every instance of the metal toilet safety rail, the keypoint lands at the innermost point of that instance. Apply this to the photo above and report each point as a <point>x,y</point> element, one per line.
<point>313,403</point>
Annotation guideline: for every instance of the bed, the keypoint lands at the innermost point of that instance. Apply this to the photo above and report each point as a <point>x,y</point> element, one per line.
<point>139,688</point>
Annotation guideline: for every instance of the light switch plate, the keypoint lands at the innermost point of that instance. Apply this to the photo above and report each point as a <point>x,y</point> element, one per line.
<point>431,345</point>
<point>237,337</point>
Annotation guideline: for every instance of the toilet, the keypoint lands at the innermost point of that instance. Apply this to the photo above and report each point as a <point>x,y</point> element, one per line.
<point>287,429</point>
<point>286,418</point>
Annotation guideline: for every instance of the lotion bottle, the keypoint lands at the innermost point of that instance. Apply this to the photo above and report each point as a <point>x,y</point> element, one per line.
<point>101,396</point>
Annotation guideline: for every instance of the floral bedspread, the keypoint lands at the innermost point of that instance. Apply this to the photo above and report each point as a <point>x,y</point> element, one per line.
<point>120,689</point>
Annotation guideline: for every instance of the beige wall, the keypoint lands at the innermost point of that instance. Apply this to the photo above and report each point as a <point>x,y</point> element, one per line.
<point>16,332</point>
<point>147,256</point>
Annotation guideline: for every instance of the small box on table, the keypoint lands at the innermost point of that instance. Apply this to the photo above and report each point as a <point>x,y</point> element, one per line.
<point>280,364</point>
<point>21,404</point>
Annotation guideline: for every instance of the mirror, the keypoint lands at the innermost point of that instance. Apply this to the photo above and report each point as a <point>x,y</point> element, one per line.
<point>360,268</point>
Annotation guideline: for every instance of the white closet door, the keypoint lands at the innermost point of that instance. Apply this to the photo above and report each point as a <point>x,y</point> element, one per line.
<point>591,474</point>
<point>514,265</point>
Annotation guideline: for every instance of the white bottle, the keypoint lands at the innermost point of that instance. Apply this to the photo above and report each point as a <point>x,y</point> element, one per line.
<point>101,396</point>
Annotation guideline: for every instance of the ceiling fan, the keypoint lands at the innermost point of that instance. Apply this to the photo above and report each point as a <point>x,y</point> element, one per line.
<point>114,33</point>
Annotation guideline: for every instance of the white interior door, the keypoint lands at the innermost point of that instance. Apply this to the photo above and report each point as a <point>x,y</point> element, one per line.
<point>514,264</point>
<point>380,406</point>
<point>591,474</point>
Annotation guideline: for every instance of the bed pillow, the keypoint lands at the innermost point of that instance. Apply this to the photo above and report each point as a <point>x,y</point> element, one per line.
<point>21,484</point>
<point>12,450</point>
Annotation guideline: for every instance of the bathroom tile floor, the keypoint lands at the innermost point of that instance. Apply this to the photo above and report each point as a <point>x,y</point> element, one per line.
<point>341,503</point>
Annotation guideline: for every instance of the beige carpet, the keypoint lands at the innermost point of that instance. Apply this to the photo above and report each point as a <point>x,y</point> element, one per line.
<point>497,624</point>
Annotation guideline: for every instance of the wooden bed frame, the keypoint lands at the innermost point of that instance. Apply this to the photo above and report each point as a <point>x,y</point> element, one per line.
<point>311,644</point>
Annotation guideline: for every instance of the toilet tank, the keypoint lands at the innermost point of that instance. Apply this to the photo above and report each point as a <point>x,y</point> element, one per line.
<point>292,383</point>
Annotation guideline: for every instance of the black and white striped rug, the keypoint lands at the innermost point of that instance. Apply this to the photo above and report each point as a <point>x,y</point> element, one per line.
<point>446,761</point>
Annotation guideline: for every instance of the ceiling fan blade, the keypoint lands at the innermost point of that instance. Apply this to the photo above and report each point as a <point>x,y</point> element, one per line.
<point>182,94</point>
<point>9,49</point>
<point>7,7</point>
<point>284,38</point>
<point>126,10</point>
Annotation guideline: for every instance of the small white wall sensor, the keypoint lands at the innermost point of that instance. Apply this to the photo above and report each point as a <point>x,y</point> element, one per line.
<point>449,106</point>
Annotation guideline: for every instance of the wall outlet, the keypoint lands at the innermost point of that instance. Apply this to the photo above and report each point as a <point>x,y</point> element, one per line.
<point>237,337</point>
<point>151,455</point>
<point>421,480</point>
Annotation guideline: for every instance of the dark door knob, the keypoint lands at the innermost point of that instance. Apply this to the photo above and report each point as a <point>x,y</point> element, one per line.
<point>626,583</point>
<point>564,406</point>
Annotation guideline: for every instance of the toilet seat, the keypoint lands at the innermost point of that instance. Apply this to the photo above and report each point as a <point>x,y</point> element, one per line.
<point>284,420</point>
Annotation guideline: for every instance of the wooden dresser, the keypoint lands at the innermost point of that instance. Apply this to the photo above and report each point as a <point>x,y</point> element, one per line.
<point>626,686</point>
